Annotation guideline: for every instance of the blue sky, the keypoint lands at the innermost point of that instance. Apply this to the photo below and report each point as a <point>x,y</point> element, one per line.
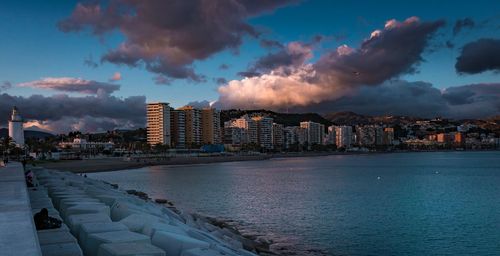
<point>33,47</point>
<point>186,42</point>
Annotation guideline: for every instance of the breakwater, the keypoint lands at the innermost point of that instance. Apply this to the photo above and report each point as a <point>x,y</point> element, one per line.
<point>104,219</point>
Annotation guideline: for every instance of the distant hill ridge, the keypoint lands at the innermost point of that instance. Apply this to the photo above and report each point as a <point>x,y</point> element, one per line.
<point>4,132</point>
<point>281,118</point>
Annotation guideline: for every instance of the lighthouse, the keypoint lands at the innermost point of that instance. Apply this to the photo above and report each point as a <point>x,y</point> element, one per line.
<point>16,130</point>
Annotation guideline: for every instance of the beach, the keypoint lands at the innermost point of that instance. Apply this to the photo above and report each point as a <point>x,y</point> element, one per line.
<point>118,163</point>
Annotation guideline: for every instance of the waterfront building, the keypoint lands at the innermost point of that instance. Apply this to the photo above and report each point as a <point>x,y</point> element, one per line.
<point>388,136</point>
<point>192,126</point>
<point>278,136</point>
<point>79,145</point>
<point>343,137</point>
<point>210,126</point>
<point>314,132</point>
<point>366,135</point>
<point>158,124</point>
<point>459,139</point>
<point>264,131</point>
<point>178,128</point>
<point>291,136</point>
<point>250,127</point>
<point>16,129</point>
<point>379,135</point>
<point>234,136</point>
<point>330,136</point>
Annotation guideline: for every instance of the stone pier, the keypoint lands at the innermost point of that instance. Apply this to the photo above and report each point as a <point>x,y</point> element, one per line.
<point>18,234</point>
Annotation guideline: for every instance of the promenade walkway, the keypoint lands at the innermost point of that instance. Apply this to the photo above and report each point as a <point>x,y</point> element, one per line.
<point>18,235</point>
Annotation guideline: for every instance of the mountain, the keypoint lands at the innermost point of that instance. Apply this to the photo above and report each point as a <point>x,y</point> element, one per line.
<point>351,118</point>
<point>4,132</point>
<point>281,118</point>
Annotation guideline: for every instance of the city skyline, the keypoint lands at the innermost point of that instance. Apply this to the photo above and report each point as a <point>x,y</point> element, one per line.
<point>94,65</point>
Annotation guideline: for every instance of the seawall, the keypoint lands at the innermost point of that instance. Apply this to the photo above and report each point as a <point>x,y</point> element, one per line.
<point>18,235</point>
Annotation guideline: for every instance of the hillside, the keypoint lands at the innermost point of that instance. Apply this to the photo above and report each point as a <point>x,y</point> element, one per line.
<point>281,118</point>
<point>351,118</point>
<point>4,132</point>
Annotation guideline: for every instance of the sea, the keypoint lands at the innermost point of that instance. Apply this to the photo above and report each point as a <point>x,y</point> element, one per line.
<point>423,203</point>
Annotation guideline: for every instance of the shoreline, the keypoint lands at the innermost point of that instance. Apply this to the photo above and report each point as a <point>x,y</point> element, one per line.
<point>94,165</point>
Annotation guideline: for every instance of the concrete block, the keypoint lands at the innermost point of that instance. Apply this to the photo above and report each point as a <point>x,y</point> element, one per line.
<point>56,237</point>
<point>98,227</point>
<point>66,249</point>
<point>95,240</point>
<point>204,252</point>
<point>74,221</point>
<point>129,249</point>
<point>174,244</point>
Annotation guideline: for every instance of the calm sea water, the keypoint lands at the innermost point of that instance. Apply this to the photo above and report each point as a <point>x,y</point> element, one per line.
<point>383,204</point>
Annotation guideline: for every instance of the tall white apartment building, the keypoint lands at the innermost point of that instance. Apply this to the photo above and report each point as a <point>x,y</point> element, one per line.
<point>158,123</point>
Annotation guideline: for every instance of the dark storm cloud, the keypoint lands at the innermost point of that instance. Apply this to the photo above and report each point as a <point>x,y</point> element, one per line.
<point>286,79</point>
<point>59,111</point>
<point>479,56</point>
<point>395,50</point>
<point>292,55</point>
<point>70,84</point>
<point>419,99</point>
<point>461,24</point>
<point>168,36</point>
<point>391,98</point>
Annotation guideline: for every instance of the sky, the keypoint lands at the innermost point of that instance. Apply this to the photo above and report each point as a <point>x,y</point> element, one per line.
<point>92,65</point>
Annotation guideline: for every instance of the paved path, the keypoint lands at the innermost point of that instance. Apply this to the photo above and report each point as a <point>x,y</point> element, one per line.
<point>17,231</point>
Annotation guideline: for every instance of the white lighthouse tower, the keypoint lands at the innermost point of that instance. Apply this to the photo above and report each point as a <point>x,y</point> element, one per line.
<point>16,130</point>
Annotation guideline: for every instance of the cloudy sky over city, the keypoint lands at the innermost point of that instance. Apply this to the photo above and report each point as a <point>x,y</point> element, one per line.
<point>92,65</point>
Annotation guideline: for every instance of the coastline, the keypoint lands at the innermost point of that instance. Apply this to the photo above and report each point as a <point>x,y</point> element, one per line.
<point>117,163</point>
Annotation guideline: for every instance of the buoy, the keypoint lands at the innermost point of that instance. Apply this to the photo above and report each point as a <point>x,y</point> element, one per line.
<point>378,178</point>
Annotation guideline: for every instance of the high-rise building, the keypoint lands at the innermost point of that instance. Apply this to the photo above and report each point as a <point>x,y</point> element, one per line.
<point>234,136</point>
<point>16,129</point>
<point>388,136</point>
<point>158,123</point>
<point>343,137</point>
<point>314,132</point>
<point>250,127</point>
<point>264,131</point>
<point>366,135</point>
<point>278,136</point>
<point>330,136</point>
<point>178,128</point>
<point>379,135</point>
<point>210,126</point>
<point>192,126</point>
<point>459,138</point>
<point>291,136</point>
